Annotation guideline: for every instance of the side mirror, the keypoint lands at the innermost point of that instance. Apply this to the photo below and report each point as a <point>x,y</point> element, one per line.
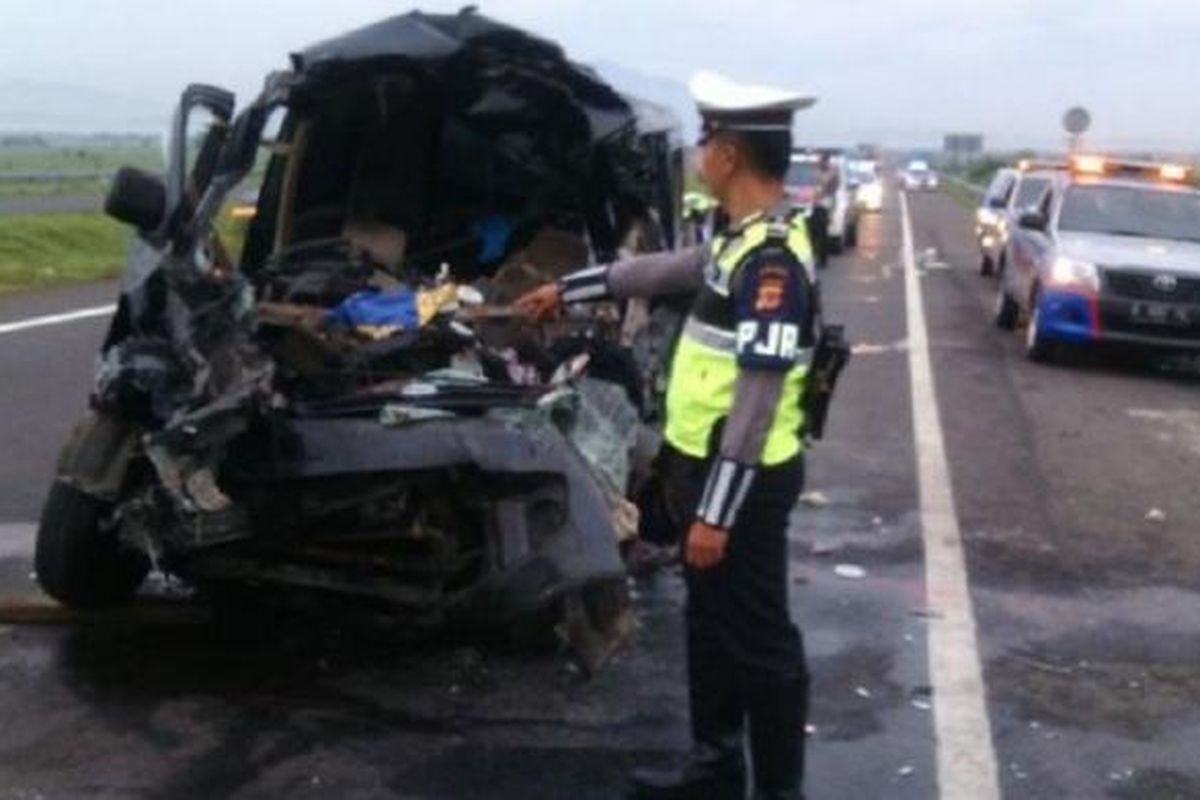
<point>1032,220</point>
<point>137,198</point>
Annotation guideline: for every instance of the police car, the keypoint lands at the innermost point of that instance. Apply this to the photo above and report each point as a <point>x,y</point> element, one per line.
<point>1011,188</point>
<point>1109,252</point>
<point>990,218</point>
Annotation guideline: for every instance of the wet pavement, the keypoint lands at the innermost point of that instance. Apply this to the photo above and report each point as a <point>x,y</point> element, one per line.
<point>1088,611</point>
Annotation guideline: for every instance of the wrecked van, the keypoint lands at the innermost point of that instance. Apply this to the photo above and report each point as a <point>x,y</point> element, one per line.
<point>347,408</point>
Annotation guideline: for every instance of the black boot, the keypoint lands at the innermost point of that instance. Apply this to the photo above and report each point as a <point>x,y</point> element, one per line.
<point>715,769</point>
<point>708,774</point>
<point>778,708</point>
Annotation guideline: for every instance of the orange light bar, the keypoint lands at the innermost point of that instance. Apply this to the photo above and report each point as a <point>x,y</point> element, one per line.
<point>1173,172</point>
<point>1090,165</point>
<point>243,212</point>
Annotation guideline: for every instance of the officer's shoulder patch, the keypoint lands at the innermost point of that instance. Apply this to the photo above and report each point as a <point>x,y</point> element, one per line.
<point>772,286</point>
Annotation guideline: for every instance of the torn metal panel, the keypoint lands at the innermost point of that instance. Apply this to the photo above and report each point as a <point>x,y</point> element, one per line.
<point>257,425</point>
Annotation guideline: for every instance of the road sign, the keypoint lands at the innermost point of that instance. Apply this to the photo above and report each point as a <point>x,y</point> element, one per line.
<point>1077,120</point>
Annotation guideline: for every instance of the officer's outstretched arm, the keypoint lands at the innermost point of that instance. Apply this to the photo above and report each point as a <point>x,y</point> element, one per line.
<point>676,272</point>
<point>773,304</point>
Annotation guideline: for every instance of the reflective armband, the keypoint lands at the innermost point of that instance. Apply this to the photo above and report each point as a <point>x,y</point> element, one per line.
<point>585,286</point>
<point>728,484</point>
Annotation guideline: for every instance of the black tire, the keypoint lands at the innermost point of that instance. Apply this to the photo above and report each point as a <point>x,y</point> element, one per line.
<point>1006,312</point>
<point>1037,347</point>
<point>78,563</point>
<point>986,267</point>
<point>836,245</point>
<point>852,236</point>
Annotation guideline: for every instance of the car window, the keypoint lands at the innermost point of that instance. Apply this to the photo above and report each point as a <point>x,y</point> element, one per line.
<point>1029,192</point>
<point>1047,204</point>
<point>999,189</point>
<point>1131,211</point>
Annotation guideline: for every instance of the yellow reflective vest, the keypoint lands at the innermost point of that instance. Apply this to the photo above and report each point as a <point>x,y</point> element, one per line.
<point>705,369</point>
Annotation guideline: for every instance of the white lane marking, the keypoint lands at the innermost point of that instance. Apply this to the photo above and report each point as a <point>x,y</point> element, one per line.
<point>57,319</point>
<point>966,758</point>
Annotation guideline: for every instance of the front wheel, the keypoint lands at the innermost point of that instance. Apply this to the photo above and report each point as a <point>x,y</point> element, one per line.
<point>1006,311</point>
<point>78,562</point>
<point>1037,347</point>
<point>986,267</point>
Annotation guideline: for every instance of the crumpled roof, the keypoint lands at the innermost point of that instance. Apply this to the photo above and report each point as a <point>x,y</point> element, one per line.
<point>468,43</point>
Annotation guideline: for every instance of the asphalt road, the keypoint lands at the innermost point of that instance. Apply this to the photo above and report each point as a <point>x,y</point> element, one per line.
<point>1087,605</point>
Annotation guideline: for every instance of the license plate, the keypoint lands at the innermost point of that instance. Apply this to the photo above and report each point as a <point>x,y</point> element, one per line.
<point>1161,314</point>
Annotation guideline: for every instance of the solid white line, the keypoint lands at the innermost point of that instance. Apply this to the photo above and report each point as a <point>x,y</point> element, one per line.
<point>56,319</point>
<point>966,758</point>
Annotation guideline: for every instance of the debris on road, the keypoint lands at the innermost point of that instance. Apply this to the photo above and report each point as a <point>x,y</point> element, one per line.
<point>1156,515</point>
<point>906,771</point>
<point>814,499</point>
<point>851,572</point>
<point>869,349</point>
<point>41,610</point>
<point>822,548</point>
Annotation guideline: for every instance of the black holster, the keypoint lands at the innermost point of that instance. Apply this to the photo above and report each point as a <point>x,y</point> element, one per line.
<point>830,357</point>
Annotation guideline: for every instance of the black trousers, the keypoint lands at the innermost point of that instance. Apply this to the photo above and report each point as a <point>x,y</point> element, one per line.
<point>818,234</point>
<point>745,656</point>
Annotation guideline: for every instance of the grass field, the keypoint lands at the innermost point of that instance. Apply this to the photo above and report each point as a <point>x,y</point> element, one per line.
<point>77,159</point>
<point>11,190</point>
<point>65,159</point>
<point>41,251</point>
<point>960,194</point>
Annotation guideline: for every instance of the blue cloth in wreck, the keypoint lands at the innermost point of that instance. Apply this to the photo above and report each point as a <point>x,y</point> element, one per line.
<point>494,233</point>
<point>376,309</point>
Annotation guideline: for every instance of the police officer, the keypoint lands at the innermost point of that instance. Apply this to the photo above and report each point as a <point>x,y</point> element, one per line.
<point>733,459</point>
<point>828,183</point>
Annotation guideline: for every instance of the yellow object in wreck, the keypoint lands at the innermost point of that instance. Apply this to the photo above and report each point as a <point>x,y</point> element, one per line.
<point>431,302</point>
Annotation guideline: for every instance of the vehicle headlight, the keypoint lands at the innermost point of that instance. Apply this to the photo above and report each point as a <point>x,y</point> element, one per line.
<point>1073,272</point>
<point>985,216</point>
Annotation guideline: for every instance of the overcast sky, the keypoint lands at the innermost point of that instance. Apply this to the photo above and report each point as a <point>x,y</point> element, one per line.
<point>902,71</point>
